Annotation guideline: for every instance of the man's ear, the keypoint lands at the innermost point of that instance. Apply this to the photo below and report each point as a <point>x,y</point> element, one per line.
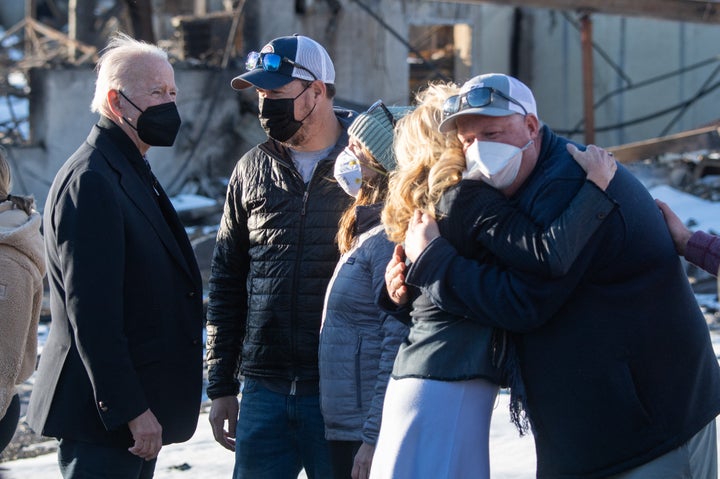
<point>533,125</point>
<point>113,101</point>
<point>318,89</point>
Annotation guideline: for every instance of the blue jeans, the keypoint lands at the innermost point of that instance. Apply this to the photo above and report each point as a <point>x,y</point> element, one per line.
<point>83,460</point>
<point>278,434</point>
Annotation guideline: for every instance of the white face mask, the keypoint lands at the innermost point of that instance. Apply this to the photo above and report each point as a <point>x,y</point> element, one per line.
<point>348,172</point>
<point>497,164</point>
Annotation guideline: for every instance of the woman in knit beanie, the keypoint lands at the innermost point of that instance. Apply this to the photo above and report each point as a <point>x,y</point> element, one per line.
<point>22,267</point>
<point>358,341</point>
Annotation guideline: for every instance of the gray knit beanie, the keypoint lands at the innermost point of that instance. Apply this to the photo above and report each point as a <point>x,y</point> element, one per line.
<point>375,131</point>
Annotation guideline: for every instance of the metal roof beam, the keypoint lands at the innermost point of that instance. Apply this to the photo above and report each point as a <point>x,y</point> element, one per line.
<point>693,11</point>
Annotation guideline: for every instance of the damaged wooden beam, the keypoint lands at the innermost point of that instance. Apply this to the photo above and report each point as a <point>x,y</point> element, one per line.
<point>705,138</point>
<point>694,11</point>
<point>48,43</point>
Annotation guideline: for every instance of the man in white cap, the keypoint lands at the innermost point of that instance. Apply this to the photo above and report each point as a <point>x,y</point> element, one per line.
<point>620,376</point>
<point>273,259</point>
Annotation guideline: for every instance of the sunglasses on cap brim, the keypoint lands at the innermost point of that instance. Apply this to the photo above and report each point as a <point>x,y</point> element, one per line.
<point>271,62</point>
<point>475,98</point>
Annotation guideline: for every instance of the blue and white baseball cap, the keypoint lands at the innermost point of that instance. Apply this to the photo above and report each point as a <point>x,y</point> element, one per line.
<point>298,57</point>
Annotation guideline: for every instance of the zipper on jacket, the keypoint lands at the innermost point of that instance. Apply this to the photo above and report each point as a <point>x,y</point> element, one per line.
<point>304,202</point>
<point>296,280</point>
<point>298,260</point>
<point>301,246</point>
<point>358,374</point>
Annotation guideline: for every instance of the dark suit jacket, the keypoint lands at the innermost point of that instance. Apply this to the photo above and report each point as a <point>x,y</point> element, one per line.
<point>126,302</point>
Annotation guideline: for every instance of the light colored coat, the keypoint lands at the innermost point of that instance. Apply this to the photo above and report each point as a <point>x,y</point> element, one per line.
<point>22,267</point>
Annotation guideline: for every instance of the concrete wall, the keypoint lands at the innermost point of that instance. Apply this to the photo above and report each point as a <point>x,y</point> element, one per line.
<point>213,135</point>
<point>219,124</point>
<point>370,61</point>
<point>541,45</point>
<point>642,49</point>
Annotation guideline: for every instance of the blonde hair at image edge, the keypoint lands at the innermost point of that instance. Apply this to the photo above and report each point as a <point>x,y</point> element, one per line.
<point>428,162</point>
<point>25,203</point>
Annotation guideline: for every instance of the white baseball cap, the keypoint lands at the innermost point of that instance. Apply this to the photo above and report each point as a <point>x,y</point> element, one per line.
<point>492,94</point>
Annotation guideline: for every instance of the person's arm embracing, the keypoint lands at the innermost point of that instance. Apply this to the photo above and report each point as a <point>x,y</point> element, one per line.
<point>678,231</point>
<point>491,294</point>
<point>700,248</point>
<point>521,243</point>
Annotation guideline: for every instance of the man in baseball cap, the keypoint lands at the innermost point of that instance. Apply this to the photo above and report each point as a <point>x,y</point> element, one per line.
<point>492,94</point>
<point>285,59</point>
<point>274,256</point>
<point>283,72</point>
<point>640,395</point>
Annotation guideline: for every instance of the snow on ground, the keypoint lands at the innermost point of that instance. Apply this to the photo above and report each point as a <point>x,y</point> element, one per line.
<point>512,457</point>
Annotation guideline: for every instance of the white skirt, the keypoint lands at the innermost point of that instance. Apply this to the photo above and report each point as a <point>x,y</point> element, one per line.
<point>435,429</point>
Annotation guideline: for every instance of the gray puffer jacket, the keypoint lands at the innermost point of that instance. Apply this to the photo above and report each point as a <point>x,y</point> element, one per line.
<point>358,341</point>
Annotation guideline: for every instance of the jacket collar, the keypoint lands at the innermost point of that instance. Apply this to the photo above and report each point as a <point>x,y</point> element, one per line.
<point>367,217</point>
<point>123,156</point>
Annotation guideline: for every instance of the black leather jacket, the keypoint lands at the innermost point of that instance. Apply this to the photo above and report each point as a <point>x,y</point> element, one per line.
<point>274,256</point>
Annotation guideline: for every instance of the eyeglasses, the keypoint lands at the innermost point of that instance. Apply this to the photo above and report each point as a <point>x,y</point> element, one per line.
<point>475,98</point>
<point>388,114</point>
<point>271,62</point>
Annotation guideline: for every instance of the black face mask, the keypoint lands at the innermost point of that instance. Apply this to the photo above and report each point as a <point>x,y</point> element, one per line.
<point>277,117</point>
<point>158,125</point>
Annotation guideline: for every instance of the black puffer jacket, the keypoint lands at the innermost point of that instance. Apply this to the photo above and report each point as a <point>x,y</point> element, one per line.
<point>273,259</point>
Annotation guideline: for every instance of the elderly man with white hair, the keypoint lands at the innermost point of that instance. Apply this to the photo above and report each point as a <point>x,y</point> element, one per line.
<point>121,373</point>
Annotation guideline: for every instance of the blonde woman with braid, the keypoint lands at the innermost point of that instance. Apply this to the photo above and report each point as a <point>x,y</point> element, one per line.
<point>22,267</point>
<point>438,404</point>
